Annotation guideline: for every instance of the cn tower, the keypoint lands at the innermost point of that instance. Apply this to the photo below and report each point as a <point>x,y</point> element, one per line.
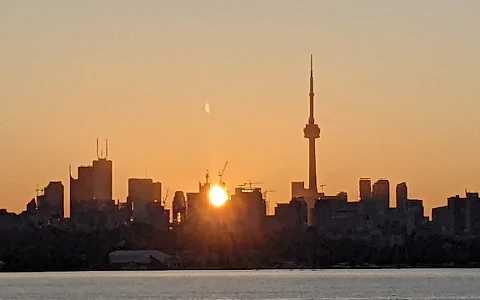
<point>311,132</point>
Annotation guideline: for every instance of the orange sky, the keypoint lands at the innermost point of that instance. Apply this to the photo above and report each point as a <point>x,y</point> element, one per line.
<point>396,87</point>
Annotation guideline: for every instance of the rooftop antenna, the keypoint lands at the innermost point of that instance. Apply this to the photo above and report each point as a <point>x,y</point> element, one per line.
<point>106,148</point>
<point>98,156</point>
<point>146,171</point>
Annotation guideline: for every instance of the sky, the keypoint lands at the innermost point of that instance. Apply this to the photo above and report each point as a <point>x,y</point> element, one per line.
<point>396,86</point>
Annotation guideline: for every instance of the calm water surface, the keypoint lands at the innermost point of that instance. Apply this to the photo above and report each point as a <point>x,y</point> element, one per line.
<point>275,284</point>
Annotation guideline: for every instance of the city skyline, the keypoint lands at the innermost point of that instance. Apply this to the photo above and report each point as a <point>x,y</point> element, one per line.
<point>409,117</point>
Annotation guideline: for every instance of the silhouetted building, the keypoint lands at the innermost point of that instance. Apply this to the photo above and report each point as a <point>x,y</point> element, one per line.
<point>102,180</point>
<point>381,195</point>
<point>91,192</point>
<point>248,207</point>
<point>140,190</point>
<point>460,216</point>
<point>9,221</point>
<point>144,200</point>
<point>179,207</point>
<point>415,214</point>
<point>81,191</point>
<point>157,192</point>
<point>198,204</point>
<point>441,221</point>
<point>402,197</point>
<point>31,207</point>
<point>298,189</point>
<point>335,215</point>
<point>50,204</point>
<point>293,214</point>
<point>365,188</point>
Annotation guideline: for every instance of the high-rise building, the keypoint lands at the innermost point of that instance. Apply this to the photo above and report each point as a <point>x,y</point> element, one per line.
<point>103,180</point>
<point>365,188</point>
<point>414,214</point>
<point>402,196</point>
<point>140,189</point>
<point>198,204</point>
<point>248,207</point>
<point>92,190</point>
<point>293,214</point>
<point>157,192</point>
<point>144,199</point>
<point>50,204</point>
<point>178,207</point>
<point>381,195</point>
<point>298,189</point>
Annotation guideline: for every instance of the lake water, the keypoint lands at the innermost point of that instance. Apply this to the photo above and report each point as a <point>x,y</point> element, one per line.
<point>264,284</point>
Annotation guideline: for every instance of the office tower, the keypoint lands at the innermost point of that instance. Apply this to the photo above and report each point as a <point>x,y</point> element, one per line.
<point>81,190</point>
<point>298,189</point>
<point>198,204</point>
<point>102,176</point>
<point>50,204</point>
<point>157,192</point>
<point>292,214</point>
<point>92,190</point>
<point>402,196</point>
<point>102,180</point>
<point>140,189</point>
<point>178,207</point>
<point>144,199</point>
<point>381,195</point>
<point>365,188</point>
<point>248,207</point>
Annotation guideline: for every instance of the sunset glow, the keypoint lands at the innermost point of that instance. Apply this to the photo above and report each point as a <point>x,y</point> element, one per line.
<point>218,196</point>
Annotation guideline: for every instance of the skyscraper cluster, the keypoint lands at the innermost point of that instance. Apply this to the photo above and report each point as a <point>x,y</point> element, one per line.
<point>92,203</point>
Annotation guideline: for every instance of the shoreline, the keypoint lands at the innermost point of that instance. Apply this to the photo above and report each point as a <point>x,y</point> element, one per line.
<point>472,266</point>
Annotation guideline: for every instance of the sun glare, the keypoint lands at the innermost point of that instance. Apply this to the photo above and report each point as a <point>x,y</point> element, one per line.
<point>218,196</point>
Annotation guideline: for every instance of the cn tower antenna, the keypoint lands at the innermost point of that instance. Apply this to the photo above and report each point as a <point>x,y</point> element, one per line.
<point>98,155</point>
<point>311,132</point>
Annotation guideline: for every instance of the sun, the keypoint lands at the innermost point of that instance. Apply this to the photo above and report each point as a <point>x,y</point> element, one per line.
<point>218,196</point>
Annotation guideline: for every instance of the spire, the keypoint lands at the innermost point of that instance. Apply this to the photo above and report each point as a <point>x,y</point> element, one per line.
<point>311,94</point>
<point>311,65</point>
<point>106,149</point>
<point>98,155</point>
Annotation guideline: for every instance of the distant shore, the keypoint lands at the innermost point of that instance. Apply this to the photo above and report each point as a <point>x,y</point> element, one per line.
<point>293,268</point>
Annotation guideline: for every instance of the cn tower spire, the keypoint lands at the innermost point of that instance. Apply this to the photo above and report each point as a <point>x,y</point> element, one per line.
<point>311,119</point>
<point>312,132</point>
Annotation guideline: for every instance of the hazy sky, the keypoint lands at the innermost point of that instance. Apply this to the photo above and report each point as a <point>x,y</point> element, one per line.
<point>396,84</point>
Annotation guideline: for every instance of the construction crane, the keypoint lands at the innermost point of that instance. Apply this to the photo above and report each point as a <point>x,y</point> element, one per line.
<point>267,202</point>
<point>250,183</point>
<point>220,175</point>
<point>164,202</point>
<point>321,186</point>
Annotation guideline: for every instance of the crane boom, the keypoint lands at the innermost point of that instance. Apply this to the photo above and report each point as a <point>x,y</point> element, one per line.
<point>220,175</point>
<point>164,202</point>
